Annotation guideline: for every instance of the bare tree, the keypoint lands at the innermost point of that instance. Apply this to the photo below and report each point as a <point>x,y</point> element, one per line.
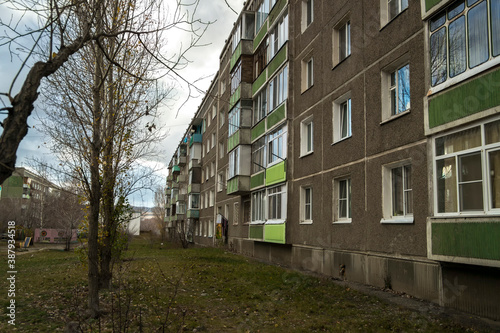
<point>159,212</point>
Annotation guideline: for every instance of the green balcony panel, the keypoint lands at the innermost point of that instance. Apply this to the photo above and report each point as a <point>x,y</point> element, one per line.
<point>469,98</point>
<point>176,168</point>
<point>431,3</point>
<point>195,138</point>
<point>260,36</point>
<point>258,130</point>
<point>479,240</point>
<point>238,185</point>
<point>257,84</point>
<point>233,141</point>
<point>278,7</point>
<point>257,180</point>
<point>256,231</point>
<point>276,174</point>
<point>193,214</point>
<point>275,233</point>
<point>276,116</point>
<point>279,59</point>
<point>236,55</point>
<point>235,97</point>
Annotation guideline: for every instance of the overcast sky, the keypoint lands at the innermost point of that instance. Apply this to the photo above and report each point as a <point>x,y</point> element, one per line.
<point>205,63</point>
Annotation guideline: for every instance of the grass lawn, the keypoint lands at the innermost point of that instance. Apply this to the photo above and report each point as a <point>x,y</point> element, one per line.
<point>197,290</point>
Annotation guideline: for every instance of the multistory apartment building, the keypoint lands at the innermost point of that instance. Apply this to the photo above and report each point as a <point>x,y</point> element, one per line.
<point>360,140</point>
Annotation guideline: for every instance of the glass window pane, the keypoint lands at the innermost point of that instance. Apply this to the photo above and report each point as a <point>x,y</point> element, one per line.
<point>404,88</point>
<point>393,8</point>
<point>492,132</point>
<point>457,46</point>
<point>438,57</point>
<point>343,120</point>
<point>471,186</point>
<point>478,34</point>
<point>438,21</point>
<point>397,191</point>
<point>455,9</point>
<point>494,172</point>
<point>495,27</point>
<point>470,168</point>
<point>446,185</point>
<point>470,138</point>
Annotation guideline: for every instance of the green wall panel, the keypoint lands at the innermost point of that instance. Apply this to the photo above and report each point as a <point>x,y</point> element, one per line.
<point>260,36</point>
<point>257,180</point>
<point>431,3</point>
<point>277,61</point>
<point>235,97</point>
<point>257,84</point>
<point>258,130</point>
<point>469,98</point>
<point>275,233</point>
<point>469,240</point>
<point>276,174</point>
<point>232,185</point>
<point>256,232</point>
<point>276,116</point>
<point>233,141</point>
<point>236,55</point>
<point>278,7</point>
<point>193,213</point>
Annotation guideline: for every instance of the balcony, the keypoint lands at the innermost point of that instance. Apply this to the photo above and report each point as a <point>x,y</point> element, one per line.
<point>182,161</point>
<point>193,213</point>
<point>195,138</point>
<point>243,136</point>
<point>194,188</point>
<point>194,163</point>
<point>239,185</point>
<point>181,179</point>
<point>268,232</point>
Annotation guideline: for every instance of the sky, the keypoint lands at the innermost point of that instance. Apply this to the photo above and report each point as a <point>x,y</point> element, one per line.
<point>204,64</point>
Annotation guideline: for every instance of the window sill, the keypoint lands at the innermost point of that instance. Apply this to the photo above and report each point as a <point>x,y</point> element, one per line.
<point>394,117</point>
<point>306,222</point>
<point>306,154</point>
<point>275,221</point>
<point>346,221</point>
<point>307,89</point>
<point>398,220</point>
<point>341,140</point>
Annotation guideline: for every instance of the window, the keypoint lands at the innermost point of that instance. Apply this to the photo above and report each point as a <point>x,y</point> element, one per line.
<point>307,74</point>
<point>213,140</point>
<point>236,37</point>
<point>342,195</point>
<point>222,119</point>
<point>180,208</point>
<point>395,7</point>
<point>213,169</point>
<point>342,120</point>
<point>278,89</point>
<point>260,106</point>
<point>396,91</point>
<point>210,228</point>
<point>214,111</point>
<point>307,13</point>
<point>306,204</point>
<point>206,199</point>
<point>397,193</point>
<point>194,201</point>
<point>259,155</point>
<point>262,12</point>
<point>258,204</point>
<point>222,87</point>
<point>236,215</point>
<point>220,181</point>
<point>234,162</point>
<point>207,173</point>
<point>276,201</point>
<point>234,119</point>
<point>341,41</point>
<point>212,198</point>
<point>277,145</point>
<point>278,36</point>
<point>221,149</point>
<point>236,78</point>
<point>467,171</point>
<point>464,36</point>
<point>208,120</point>
<point>306,136</point>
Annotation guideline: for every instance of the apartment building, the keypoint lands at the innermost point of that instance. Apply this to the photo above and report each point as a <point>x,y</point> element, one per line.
<point>360,140</point>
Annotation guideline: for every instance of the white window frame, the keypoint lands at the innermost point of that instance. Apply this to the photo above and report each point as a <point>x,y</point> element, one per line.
<point>385,14</point>
<point>338,117</point>
<point>221,149</point>
<point>220,181</point>
<point>213,140</point>
<point>388,194</point>
<point>493,60</point>
<point>278,36</point>
<point>259,158</point>
<point>306,136</point>
<point>236,213</point>
<point>341,41</point>
<point>306,215</point>
<point>234,117</point>
<point>260,106</point>
<point>391,91</point>
<point>280,198</point>
<point>307,13</point>
<point>234,163</point>
<point>210,228</point>
<point>211,198</point>
<point>212,169</point>
<point>484,149</point>
<point>190,203</point>
<point>278,89</point>
<point>261,15</point>
<point>258,204</point>
<point>337,199</point>
<point>279,140</point>
<point>307,73</point>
